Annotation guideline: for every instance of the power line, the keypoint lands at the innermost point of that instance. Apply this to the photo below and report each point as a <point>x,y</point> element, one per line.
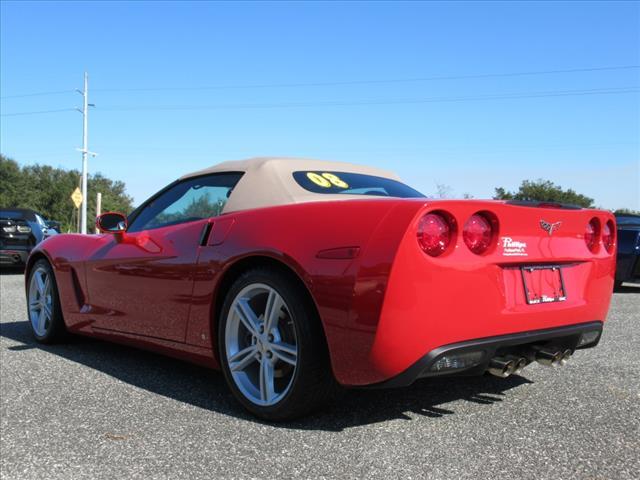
<point>558,93</point>
<point>345,82</point>
<point>37,94</point>
<point>19,114</point>
<point>375,81</point>
<point>339,103</point>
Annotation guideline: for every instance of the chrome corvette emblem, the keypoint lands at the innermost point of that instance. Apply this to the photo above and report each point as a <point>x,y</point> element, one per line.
<point>549,227</point>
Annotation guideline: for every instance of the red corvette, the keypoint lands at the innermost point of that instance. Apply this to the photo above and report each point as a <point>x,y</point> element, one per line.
<point>294,276</point>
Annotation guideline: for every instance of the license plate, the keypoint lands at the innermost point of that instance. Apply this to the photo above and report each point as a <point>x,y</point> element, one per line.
<point>543,284</point>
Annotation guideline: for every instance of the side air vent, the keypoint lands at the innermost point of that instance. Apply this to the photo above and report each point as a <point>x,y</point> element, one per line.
<point>77,289</point>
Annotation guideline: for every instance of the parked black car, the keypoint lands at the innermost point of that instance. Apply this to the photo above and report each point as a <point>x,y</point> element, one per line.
<point>20,230</point>
<point>628,261</point>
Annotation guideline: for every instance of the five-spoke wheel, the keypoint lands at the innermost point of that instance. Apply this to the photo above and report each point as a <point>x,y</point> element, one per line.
<point>261,345</point>
<point>272,346</point>
<point>44,311</point>
<point>40,301</point>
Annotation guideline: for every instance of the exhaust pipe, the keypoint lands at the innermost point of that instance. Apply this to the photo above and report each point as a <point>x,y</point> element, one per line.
<point>520,363</point>
<point>566,355</point>
<point>501,367</point>
<point>549,358</point>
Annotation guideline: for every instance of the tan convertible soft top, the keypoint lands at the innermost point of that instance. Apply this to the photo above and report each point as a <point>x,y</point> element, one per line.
<point>268,181</point>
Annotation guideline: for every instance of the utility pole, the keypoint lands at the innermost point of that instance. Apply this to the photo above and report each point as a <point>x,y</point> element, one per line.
<point>98,207</point>
<point>85,150</point>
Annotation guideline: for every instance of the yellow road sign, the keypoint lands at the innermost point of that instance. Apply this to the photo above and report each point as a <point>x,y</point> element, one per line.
<point>76,197</point>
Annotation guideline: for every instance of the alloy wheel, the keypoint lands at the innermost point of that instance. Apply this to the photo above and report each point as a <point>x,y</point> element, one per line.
<point>40,301</point>
<point>261,344</point>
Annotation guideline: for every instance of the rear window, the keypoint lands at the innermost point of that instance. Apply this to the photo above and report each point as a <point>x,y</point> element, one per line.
<point>353,184</point>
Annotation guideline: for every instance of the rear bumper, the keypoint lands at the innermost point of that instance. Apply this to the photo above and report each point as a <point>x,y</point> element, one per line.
<point>13,256</point>
<point>522,343</point>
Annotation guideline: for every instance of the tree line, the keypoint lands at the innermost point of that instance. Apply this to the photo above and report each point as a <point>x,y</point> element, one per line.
<point>47,190</point>
<point>541,191</point>
<point>544,191</point>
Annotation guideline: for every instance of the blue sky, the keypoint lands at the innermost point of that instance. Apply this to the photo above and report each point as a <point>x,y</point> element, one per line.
<point>282,65</point>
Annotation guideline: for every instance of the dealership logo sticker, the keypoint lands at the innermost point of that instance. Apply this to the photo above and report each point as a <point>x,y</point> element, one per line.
<point>549,227</point>
<point>513,248</point>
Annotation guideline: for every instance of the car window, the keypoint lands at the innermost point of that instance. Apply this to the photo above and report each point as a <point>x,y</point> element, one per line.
<point>628,220</point>
<point>192,199</point>
<point>353,184</point>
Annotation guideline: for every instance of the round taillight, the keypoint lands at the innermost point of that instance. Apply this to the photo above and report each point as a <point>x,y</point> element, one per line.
<point>608,236</point>
<point>434,234</point>
<point>477,233</point>
<point>591,234</point>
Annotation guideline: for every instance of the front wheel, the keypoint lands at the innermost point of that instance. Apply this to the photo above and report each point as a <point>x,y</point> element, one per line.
<point>272,347</point>
<point>43,304</point>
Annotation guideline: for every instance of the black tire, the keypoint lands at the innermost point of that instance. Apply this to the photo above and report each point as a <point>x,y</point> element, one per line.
<point>55,329</point>
<point>313,384</point>
<point>617,285</point>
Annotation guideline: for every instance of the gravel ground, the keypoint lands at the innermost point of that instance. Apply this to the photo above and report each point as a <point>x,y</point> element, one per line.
<point>90,409</point>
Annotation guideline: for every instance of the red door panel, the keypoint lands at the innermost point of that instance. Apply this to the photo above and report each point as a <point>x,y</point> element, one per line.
<point>143,284</point>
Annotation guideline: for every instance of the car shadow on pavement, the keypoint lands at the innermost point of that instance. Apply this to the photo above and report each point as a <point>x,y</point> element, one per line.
<point>630,288</point>
<point>11,270</point>
<point>206,388</point>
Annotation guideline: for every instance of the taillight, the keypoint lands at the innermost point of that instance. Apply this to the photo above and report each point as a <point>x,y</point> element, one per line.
<point>591,234</point>
<point>477,233</point>
<point>434,234</point>
<point>608,236</point>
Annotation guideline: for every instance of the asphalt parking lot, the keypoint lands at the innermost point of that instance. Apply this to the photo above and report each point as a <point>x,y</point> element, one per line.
<point>89,409</point>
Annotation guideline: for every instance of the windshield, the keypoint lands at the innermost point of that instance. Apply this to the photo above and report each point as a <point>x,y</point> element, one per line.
<point>353,184</point>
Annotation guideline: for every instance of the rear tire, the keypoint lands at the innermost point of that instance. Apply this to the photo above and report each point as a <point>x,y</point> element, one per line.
<point>272,348</point>
<point>43,304</point>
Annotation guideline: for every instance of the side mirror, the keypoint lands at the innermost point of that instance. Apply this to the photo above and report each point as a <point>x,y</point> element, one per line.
<point>111,222</point>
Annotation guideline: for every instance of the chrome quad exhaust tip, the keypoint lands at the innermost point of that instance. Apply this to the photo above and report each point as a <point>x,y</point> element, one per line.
<point>566,355</point>
<point>550,357</point>
<point>514,364</point>
<point>504,366</point>
<point>520,363</point>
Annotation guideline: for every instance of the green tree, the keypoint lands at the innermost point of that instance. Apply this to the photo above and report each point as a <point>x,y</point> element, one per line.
<point>443,191</point>
<point>203,207</point>
<point>114,194</point>
<point>10,180</point>
<point>626,211</point>
<point>544,191</point>
<point>199,207</point>
<point>47,190</point>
